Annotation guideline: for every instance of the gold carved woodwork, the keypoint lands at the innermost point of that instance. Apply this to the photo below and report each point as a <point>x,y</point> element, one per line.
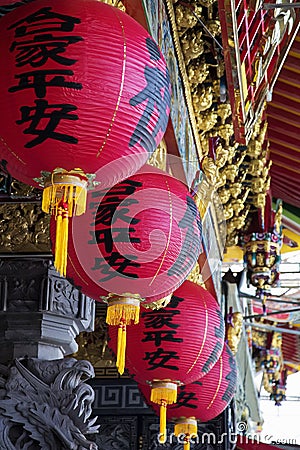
<point>117,3</point>
<point>224,195</point>
<point>192,45</point>
<point>232,239</point>
<point>210,170</point>
<point>214,27</point>
<point>225,132</point>
<point>195,276</point>
<point>238,204</point>
<point>170,6</point>
<point>222,155</point>
<point>92,346</point>
<point>158,304</point>
<point>254,148</point>
<point>202,99</point>
<point>23,228</point>
<point>207,3</point>
<point>197,71</point>
<point>235,189</point>
<point>206,120</point>
<point>185,17</point>
<point>224,112</point>
<point>239,175</point>
<point>228,211</point>
<point>234,331</point>
<point>203,197</point>
<point>259,338</point>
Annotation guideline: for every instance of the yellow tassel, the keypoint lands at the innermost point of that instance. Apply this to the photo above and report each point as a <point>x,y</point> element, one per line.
<point>69,188</point>
<point>122,310</point>
<point>163,392</point>
<point>61,240</point>
<point>186,444</point>
<point>188,428</point>
<point>121,351</point>
<point>166,391</point>
<point>162,422</point>
<point>118,312</point>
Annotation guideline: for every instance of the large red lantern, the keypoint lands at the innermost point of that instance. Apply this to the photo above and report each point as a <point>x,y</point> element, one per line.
<point>202,400</point>
<point>85,94</point>
<point>175,345</point>
<point>137,241</point>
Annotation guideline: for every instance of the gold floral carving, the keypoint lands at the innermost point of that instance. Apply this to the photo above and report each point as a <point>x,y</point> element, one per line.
<point>23,228</point>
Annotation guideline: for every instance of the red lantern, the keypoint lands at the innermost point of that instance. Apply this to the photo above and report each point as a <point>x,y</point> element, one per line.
<point>202,400</point>
<point>84,86</point>
<point>175,345</point>
<point>138,241</point>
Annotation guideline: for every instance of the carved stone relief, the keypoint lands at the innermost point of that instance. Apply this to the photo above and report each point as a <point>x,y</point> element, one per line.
<point>46,405</point>
<point>41,313</point>
<point>117,433</point>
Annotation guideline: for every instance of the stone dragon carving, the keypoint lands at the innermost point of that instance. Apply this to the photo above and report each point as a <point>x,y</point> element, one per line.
<point>46,405</point>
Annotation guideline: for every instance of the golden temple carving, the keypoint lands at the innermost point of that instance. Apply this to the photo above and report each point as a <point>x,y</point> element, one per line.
<point>234,331</point>
<point>117,3</point>
<point>92,346</point>
<point>186,18</point>
<point>24,228</point>
<point>158,304</point>
<point>239,174</point>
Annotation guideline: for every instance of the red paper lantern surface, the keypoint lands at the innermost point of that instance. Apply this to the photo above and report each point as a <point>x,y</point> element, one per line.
<point>141,237</point>
<point>84,85</point>
<point>207,398</point>
<point>181,342</point>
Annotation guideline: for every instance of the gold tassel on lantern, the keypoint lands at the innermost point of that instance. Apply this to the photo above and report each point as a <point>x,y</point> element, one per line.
<point>188,428</point>
<point>61,241</point>
<point>122,310</point>
<point>163,392</point>
<point>64,195</point>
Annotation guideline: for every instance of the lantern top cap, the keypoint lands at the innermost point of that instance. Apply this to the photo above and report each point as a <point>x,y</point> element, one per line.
<point>167,384</point>
<point>126,297</point>
<point>74,177</point>
<point>186,420</point>
<point>122,299</point>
